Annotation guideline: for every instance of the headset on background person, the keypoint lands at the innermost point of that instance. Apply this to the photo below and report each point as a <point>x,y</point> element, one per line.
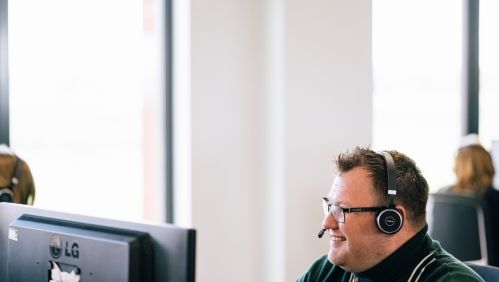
<point>7,193</point>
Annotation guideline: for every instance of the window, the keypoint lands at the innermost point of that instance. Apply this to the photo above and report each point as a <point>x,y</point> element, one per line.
<point>489,73</point>
<point>87,105</point>
<point>417,53</point>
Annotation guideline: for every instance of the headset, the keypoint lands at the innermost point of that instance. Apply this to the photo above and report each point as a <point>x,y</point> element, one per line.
<point>6,193</point>
<point>389,220</point>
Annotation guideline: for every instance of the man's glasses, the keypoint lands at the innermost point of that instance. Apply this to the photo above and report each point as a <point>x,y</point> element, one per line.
<point>339,212</point>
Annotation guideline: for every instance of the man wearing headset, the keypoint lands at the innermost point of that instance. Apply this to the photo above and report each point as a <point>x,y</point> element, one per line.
<point>376,219</point>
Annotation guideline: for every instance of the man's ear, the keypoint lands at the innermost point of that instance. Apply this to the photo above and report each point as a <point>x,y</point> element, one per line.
<point>403,212</point>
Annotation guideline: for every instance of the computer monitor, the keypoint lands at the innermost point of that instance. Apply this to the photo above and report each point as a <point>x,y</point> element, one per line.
<point>38,244</point>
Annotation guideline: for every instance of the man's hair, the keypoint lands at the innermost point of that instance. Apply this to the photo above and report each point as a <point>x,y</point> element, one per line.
<point>474,169</point>
<point>412,188</point>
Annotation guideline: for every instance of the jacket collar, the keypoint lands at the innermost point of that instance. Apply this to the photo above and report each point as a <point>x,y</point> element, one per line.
<point>401,261</point>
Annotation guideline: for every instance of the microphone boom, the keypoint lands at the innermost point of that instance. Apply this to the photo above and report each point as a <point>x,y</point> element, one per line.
<point>321,233</point>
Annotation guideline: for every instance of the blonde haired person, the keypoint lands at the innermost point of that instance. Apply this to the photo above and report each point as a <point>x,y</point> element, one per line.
<point>22,187</point>
<point>475,177</point>
<point>474,170</point>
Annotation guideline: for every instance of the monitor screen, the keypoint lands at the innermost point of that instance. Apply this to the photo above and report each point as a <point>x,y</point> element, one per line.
<point>44,245</point>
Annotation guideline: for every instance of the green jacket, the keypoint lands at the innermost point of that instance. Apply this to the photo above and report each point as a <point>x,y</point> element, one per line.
<point>420,259</point>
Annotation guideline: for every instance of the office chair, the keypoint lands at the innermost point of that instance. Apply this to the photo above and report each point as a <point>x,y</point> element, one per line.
<point>459,223</point>
<point>487,272</point>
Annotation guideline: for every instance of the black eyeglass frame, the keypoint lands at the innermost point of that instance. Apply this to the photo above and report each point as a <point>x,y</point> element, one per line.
<point>345,210</point>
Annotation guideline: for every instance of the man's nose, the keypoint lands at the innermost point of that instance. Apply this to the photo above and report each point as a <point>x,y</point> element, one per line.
<point>329,222</point>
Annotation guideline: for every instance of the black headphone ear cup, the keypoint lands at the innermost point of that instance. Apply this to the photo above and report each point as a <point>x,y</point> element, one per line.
<point>6,195</point>
<point>389,221</point>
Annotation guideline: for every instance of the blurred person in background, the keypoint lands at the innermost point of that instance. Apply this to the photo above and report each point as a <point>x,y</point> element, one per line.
<point>16,181</point>
<point>474,177</point>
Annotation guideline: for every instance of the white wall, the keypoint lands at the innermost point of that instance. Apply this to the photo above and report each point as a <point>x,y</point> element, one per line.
<point>276,89</point>
<point>328,106</point>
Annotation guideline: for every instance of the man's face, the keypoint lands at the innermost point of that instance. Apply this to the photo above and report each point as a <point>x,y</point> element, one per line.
<point>357,244</point>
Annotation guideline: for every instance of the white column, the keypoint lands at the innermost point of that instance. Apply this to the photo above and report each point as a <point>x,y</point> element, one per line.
<point>227,139</point>
<point>275,144</point>
<point>182,113</point>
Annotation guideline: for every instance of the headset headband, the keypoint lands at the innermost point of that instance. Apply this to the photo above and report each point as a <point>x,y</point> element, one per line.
<point>17,173</point>
<point>392,176</point>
